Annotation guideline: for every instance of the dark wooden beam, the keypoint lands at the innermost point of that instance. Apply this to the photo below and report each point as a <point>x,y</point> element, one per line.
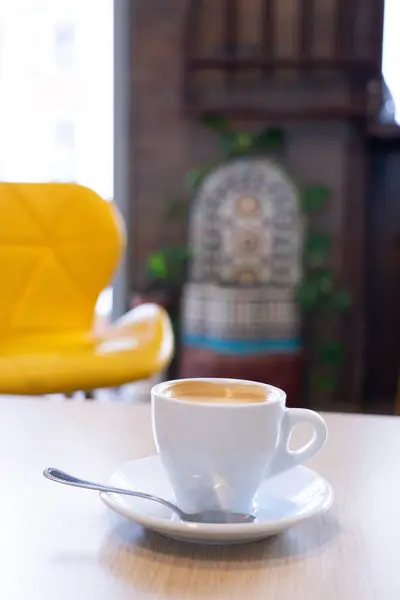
<point>230,24</point>
<point>344,29</point>
<point>306,28</point>
<point>268,30</point>
<point>230,35</point>
<point>276,115</point>
<point>345,64</point>
<point>189,49</point>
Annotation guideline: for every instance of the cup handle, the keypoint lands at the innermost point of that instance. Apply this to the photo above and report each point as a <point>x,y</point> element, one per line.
<point>285,458</point>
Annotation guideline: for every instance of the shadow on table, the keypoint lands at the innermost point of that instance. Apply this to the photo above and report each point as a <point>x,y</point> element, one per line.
<point>144,559</point>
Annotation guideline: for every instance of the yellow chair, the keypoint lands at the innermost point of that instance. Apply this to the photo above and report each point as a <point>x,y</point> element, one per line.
<point>59,247</point>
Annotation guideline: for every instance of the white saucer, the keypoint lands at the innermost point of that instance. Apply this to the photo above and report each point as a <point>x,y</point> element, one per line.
<point>282,501</point>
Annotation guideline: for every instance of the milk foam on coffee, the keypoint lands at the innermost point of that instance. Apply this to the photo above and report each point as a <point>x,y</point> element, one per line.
<point>217,392</point>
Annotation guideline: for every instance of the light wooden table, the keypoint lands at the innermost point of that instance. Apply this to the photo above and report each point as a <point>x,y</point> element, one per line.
<point>63,544</point>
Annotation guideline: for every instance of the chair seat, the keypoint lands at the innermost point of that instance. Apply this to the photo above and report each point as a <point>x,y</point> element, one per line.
<point>60,244</point>
<point>135,347</point>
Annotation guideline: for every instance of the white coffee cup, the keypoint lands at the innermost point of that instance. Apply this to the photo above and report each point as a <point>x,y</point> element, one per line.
<point>217,454</point>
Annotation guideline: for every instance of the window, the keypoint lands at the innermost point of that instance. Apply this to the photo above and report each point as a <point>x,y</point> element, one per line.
<point>56,101</point>
<point>64,44</point>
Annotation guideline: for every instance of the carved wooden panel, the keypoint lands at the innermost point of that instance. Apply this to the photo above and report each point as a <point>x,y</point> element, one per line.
<point>257,58</point>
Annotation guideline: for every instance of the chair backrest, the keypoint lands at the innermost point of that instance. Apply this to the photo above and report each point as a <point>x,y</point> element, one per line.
<point>60,244</point>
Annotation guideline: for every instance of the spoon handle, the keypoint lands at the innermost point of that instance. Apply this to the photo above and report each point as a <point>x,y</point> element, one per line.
<point>62,477</point>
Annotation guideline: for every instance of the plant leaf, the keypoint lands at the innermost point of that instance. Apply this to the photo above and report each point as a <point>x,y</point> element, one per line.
<point>323,279</point>
<point>176,253</point>
<point>195,177</point>
<point>175,322</point>
<point>341,301</point>
<point>270,139</point>
<point>228,144</point>
<point>245,141</point>
<point>332,353</point>
<point>157,265</point>
<point>306,295</point>
<point>316,248</point>
<point>169,265</point>
<point>215,122</point>
<point>175,208</point>
<point>314,198</point>
<point>325,382</point>
<point>237,144</point>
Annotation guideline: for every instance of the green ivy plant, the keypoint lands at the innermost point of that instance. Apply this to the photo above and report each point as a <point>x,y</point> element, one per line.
<point>319,296</point>
<point>321,299</point>
<point>234,144</point>
<point>167,267</point>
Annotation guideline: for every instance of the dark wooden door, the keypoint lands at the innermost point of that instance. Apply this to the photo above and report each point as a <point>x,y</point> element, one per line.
<point>383,276</point>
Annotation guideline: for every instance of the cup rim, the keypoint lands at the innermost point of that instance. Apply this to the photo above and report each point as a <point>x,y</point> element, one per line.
<point>276,396</point>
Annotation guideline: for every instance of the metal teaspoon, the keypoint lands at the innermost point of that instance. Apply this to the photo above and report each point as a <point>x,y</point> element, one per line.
<point>206,516</point>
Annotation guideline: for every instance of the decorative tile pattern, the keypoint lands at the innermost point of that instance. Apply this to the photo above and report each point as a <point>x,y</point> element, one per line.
<point>246,237</point>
